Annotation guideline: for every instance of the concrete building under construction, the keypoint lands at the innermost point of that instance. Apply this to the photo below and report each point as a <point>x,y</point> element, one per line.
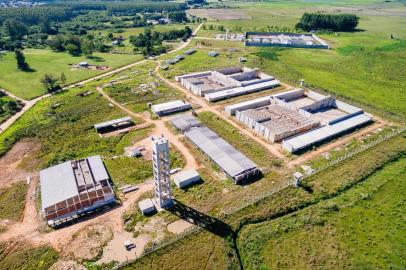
<point>299,118</point>
<point>280,39</point>
<point>73,188</point>
<point>161,167</point>
<point>227,82</point>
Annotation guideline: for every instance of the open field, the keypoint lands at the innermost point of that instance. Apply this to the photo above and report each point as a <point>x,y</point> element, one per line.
<point>15,194</point>
<point>287,201</point>
<point>140,89</point>
<point>360,228</point>
<point>28,85</point>
<point>348,216</point>
<point>63,126</point>
<point>360,65</point>
<point>24,257</point>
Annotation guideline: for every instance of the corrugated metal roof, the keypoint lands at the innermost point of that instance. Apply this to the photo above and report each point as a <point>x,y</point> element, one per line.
<point>171,105</point>
<point>241,90</point>
<point>317,135</point>
<point>184,122</point>
<point>57,184</point>
<point>221,152</point>
<point>250,104</point>
<point>113,122</point>
<point>97,167</point>
<point>185,175</point>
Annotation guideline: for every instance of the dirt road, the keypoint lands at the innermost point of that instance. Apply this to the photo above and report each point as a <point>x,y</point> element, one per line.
<point>206,107</point>
<point>160,129</point>
<point>30,103</point>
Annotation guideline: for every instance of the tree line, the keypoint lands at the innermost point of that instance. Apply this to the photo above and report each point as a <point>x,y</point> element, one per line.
<point>150,42</point>
<point>323,21</point>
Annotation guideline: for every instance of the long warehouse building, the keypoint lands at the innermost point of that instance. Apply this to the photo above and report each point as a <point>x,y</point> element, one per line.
<point>236,165</point>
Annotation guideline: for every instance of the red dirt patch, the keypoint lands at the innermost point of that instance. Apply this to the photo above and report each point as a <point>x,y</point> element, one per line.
<point>17,164</point>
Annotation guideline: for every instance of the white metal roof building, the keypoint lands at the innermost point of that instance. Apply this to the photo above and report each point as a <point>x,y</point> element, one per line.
<point>184,122</point>
<point>310,138</point>
<point>186,178</point>
<point>170,107</point>
<point>243,90</point>
<point>231,161</point>
<point>74,187</point>
<point>146,206</point>
<point>246,105</point>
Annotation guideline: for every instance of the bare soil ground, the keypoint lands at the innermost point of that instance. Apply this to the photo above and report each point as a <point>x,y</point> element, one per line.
<point>179,226</point>
<point>67,265</point>
<point>115,250</point>
<point>220,14</point>
<point>88,243</point>
<point>14,166</point>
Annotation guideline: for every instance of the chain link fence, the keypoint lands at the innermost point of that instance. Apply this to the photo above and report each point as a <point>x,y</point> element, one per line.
<point>275,189</point>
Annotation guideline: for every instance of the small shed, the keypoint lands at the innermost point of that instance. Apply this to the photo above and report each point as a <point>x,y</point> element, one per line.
<point>146,206</point>
<point>83,64</point>
<point>186,178</point>
<point>297,176</point>
<point>190,51</point>
<point>213,54</point>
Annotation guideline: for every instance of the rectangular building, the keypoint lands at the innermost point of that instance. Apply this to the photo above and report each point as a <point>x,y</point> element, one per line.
<point>115,124</point>
<point>170,107</point>
<point>280,39</point>
<point>73,188</point>
<point>236,165</point>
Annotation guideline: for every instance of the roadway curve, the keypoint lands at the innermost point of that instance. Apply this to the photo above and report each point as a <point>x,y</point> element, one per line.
<point>30,103</point>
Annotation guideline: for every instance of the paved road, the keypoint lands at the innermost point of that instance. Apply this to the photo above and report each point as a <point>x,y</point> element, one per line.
<point>30,103</point>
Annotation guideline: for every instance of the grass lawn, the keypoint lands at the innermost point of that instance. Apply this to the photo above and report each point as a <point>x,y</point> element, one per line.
<point>364,66</point>
<point>66,132</point>
<point>134,96</point>
<point>28,84</point>
<point>359,229</point>
<point>26,257</point>
<point>15,194</point>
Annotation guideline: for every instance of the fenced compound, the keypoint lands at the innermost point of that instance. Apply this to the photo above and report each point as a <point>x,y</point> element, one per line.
<point>257,198</point>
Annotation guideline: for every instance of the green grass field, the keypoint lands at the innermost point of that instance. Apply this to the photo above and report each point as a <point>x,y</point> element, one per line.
<point>27,257</point>
<point>16,194</point>
<point>365,66</point>
<point>360,229</point>
<point>28,84</point>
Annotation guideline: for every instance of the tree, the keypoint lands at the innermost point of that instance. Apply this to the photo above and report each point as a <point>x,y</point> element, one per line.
<point>87,46</point>
<point>73,49</point>
<point>63,78</point>
<point>16,30</point>
<point>57,43</point>
<point>178,16</point>
<point>334,22</point>
<point>21,62</point>
<point>50,83</point>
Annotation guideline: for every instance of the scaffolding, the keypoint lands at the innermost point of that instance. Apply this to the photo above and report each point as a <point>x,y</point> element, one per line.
<point>161,167</point>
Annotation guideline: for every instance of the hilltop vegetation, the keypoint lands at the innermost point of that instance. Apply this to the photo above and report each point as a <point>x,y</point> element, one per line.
<point>333,22</point>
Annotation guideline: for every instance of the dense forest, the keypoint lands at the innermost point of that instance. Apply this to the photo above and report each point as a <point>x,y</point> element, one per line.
<point>70,26</point>
<point>333,22</point>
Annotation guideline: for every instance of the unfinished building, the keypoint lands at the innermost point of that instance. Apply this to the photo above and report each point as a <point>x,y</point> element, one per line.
<point>280,39</point>
<point>227,82</point>
<point>161,167</point>
<point>300,118</point>
<point>73,188</point>
<point>275,122</point>
<point>236,165</point>
<point>170,107</point>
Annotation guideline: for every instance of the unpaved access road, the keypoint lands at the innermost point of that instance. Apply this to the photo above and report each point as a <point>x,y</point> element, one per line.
<point>30,103</point>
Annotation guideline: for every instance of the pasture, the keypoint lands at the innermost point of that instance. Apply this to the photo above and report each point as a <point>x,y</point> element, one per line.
<point>28,85</point>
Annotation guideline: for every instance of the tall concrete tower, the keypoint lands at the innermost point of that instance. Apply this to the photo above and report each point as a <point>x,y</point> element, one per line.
<point>160,160</point>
